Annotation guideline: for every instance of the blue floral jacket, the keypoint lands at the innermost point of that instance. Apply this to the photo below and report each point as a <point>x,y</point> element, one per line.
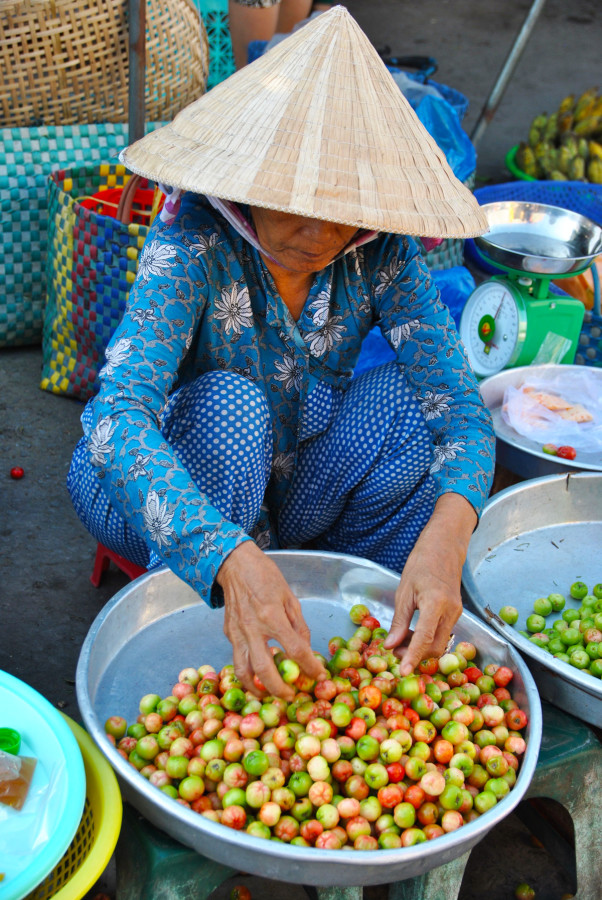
<point>203,299</point>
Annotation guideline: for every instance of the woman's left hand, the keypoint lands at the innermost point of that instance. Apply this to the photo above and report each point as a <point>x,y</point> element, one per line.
<point>430,583</point>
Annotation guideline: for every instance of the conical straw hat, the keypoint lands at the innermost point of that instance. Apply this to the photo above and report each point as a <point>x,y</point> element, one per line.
<point>318,127</point>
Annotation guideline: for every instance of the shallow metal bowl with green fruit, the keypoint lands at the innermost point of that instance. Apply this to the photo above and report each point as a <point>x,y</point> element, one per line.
<point>535,539</point>
<point>156,626</point>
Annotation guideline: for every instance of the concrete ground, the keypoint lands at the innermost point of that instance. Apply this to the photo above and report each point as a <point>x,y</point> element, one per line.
<point>47,602</point>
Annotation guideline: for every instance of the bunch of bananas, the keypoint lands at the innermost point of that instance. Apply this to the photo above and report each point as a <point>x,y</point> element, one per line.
<point>566,145</point>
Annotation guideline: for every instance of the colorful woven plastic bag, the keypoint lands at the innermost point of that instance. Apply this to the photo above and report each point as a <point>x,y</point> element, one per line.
<point>27,157</point>
<point>91,264</point>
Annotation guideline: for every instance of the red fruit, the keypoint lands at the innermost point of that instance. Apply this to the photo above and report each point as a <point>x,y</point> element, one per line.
<point>370,622</point>
<point>396,772</point>
<point>503,676</point>
<point>429,666</point>
<point>501,693</point>
<point>391,706</point>
<point>17,472</point>
<point>412,716</point>
<point>566,452</point>
<point>352,674</point>
<point>240,892</point>
<point>516,719</point>
<point>370,696</point>
<point>472,673</point>
<point>414,795</point>
<point>356,728</point>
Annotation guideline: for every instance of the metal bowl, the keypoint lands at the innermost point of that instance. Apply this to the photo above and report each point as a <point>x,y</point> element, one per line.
<point>533,539</point>
<point>538,238</point>
<point>518,453</point>
<point>156,625</point>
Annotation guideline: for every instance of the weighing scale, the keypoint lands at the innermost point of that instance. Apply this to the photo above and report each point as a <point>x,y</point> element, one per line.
<point>507,318</point>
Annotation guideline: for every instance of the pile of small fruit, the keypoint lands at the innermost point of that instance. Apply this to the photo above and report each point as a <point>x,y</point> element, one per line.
<point>566,145</point>
<point>575,637</point>
<point>367,759</point>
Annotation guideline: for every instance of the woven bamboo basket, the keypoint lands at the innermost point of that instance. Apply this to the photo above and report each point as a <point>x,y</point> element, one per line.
<point>67,60</point>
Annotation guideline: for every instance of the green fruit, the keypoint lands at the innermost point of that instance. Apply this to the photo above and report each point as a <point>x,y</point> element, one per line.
<point>535,623</point>
<point>542,606</point>
<point>578,590</point>
<point>570,636</point>
<point>557,601</point>
<point>509,615</point>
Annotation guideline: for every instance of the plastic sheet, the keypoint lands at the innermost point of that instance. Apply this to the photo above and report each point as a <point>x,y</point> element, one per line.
<point>522,411</point>
<point>442,123</point>
<point>24,832</point>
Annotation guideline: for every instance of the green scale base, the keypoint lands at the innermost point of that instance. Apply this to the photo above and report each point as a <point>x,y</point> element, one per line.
<point>152,866</point>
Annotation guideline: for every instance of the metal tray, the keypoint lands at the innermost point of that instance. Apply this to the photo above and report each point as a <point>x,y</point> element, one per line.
<point>156,625</point>
<point>533,539</point>
<point>518,453</point>
<point>539,238</point>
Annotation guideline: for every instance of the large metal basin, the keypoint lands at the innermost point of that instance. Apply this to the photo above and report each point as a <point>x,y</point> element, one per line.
<point>533,539</point>
<point>156,625</point>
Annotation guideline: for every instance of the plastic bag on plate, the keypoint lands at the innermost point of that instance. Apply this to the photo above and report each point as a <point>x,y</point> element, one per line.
<point>524,412</point>
<point>25,832</point>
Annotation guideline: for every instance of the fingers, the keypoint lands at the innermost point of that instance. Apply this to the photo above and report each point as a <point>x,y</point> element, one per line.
<point>432,633</point>
<point>296,641</point>
<point>422,641</point>
<point>400,625</point>
<point>251,656</point>
<point>257,614</point>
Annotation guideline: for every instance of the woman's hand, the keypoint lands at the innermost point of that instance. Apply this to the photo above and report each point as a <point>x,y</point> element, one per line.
<point>430,583</point>
<point>260,605</point>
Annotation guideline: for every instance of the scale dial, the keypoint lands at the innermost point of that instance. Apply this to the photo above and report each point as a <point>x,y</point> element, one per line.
<point>493,326</point>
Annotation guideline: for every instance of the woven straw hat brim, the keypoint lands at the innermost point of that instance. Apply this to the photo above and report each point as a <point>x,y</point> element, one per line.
<point>317,127</point>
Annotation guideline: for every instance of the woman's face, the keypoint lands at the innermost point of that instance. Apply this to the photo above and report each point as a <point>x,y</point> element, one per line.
<point>300,244</point>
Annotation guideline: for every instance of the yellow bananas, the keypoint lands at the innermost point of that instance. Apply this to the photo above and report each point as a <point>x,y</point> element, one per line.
<point>567,144</point>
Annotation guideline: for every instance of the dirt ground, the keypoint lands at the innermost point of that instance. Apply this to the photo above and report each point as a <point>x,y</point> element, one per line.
<point>47,602</point>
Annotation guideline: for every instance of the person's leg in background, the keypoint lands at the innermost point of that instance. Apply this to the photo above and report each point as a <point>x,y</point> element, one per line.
<point>250,20</point>
<point>259,20</point>
<point>290,13</point>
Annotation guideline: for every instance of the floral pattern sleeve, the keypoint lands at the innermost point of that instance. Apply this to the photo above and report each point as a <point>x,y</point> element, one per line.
<point>139,471</point>
<point>422,332</point>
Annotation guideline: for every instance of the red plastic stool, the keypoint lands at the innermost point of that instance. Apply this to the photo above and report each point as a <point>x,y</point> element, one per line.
<point>103,560</point>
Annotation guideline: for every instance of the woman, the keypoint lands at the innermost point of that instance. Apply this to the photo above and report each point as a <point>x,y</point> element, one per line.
<point>228,420</point>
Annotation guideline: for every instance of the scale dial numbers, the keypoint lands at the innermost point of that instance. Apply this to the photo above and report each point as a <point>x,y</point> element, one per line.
<point>493,327</point>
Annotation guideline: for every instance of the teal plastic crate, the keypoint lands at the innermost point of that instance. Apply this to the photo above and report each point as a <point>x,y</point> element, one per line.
<point>221,57</point>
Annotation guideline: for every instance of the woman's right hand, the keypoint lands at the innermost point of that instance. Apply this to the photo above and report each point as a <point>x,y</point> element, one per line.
<point>259,606</point>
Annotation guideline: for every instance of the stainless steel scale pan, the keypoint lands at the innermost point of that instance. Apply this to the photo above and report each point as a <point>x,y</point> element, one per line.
<point>539,239</point>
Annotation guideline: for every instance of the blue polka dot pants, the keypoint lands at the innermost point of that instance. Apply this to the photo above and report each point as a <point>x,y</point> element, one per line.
<point>362,486</point>
<point>361,483</point>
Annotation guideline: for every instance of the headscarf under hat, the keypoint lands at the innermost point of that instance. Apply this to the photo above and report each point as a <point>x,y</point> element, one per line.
<point>316,127</point>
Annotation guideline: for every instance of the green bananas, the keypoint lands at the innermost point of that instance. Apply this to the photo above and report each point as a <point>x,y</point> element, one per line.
<point>567,144</point>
